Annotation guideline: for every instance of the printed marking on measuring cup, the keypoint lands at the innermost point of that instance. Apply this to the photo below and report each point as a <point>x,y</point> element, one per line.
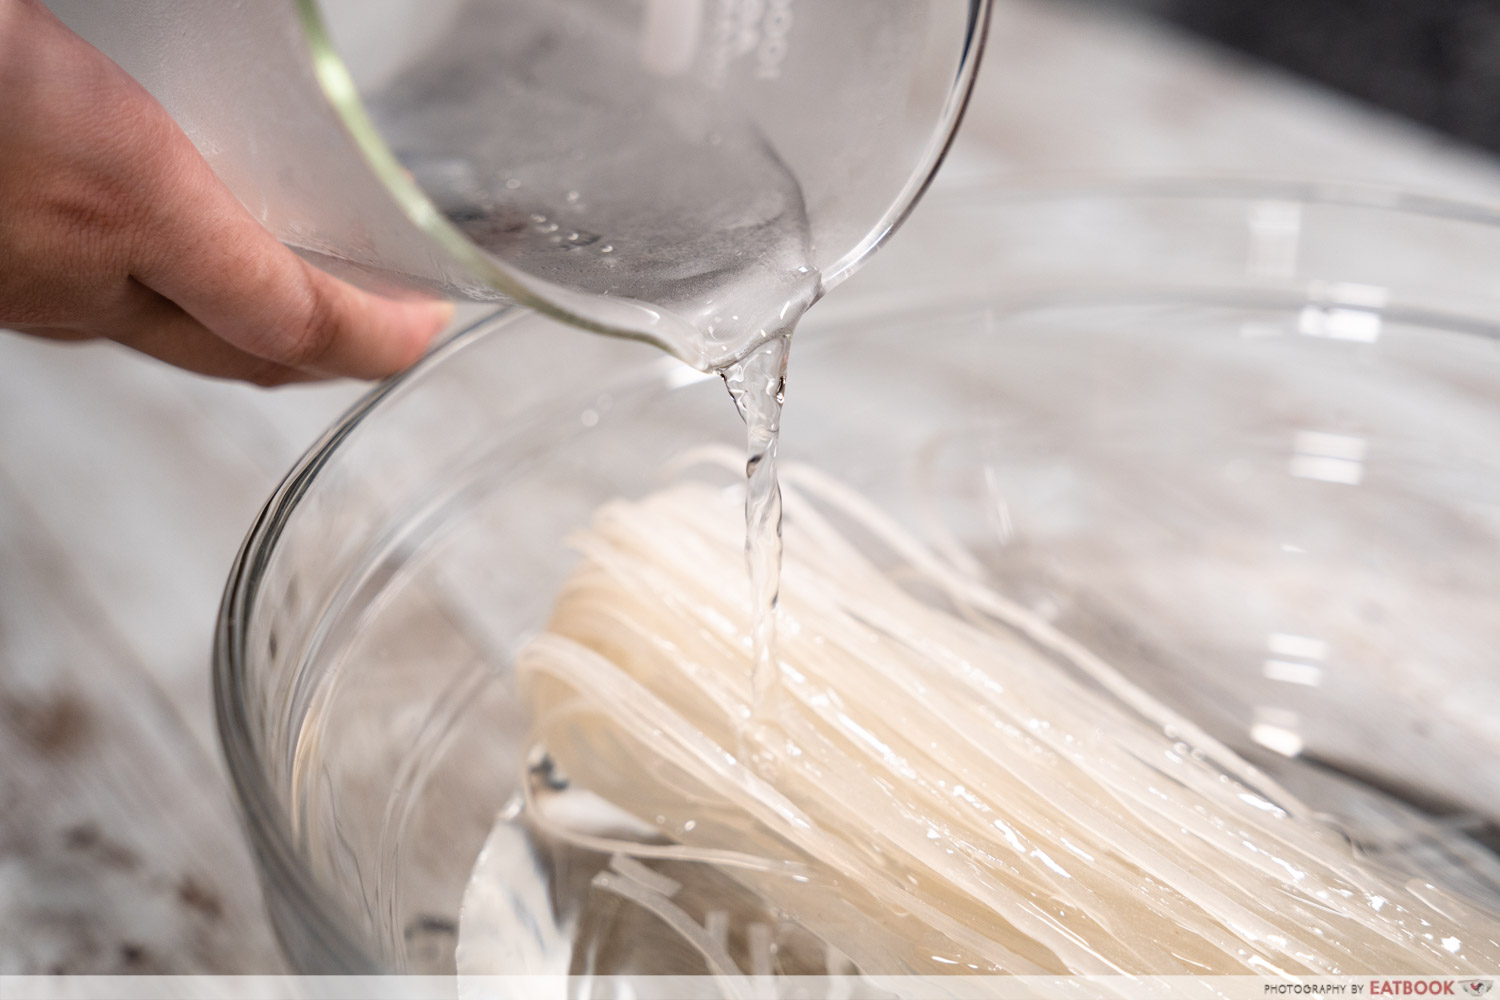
<point>775,29</point>
<point>745,28</point>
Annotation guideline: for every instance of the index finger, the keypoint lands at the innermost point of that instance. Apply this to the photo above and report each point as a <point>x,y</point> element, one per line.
<point>205,252</point>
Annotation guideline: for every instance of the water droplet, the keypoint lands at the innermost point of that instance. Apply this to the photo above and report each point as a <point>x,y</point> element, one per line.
<point>513,183</point>
<point>572,196</point>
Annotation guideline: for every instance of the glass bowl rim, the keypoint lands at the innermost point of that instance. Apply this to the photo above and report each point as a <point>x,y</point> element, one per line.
<point>265,821</point>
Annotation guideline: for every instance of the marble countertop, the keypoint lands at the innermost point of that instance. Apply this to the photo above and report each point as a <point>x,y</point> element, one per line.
<point>125,488</point>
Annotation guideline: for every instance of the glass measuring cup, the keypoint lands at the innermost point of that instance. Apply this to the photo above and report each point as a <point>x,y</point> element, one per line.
<point>532,149</point>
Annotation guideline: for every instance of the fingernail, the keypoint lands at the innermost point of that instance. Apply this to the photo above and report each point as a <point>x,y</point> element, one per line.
<point>445,310</point>
<point>421,320</point>
<point>438,312</point>
<point>429,316</point>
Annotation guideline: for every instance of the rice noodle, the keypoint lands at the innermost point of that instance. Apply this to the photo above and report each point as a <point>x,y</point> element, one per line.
<point>983,790</point>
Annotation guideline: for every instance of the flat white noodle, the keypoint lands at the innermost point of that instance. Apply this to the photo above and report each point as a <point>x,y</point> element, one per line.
<point>966,785</point>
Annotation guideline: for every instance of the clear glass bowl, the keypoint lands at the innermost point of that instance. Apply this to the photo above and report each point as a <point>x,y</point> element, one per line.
<point>1237,437</point>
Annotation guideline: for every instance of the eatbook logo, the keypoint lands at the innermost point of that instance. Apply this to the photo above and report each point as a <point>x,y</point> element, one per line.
<point>1477,987</point>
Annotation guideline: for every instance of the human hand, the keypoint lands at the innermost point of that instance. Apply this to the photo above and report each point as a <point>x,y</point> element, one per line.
<point>112,225</point>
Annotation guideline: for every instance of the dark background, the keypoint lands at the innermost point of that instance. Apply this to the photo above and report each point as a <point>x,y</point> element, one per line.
<point>1436,61</point>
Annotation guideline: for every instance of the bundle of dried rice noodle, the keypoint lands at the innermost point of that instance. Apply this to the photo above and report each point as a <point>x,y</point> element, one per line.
<point>955,786</point>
